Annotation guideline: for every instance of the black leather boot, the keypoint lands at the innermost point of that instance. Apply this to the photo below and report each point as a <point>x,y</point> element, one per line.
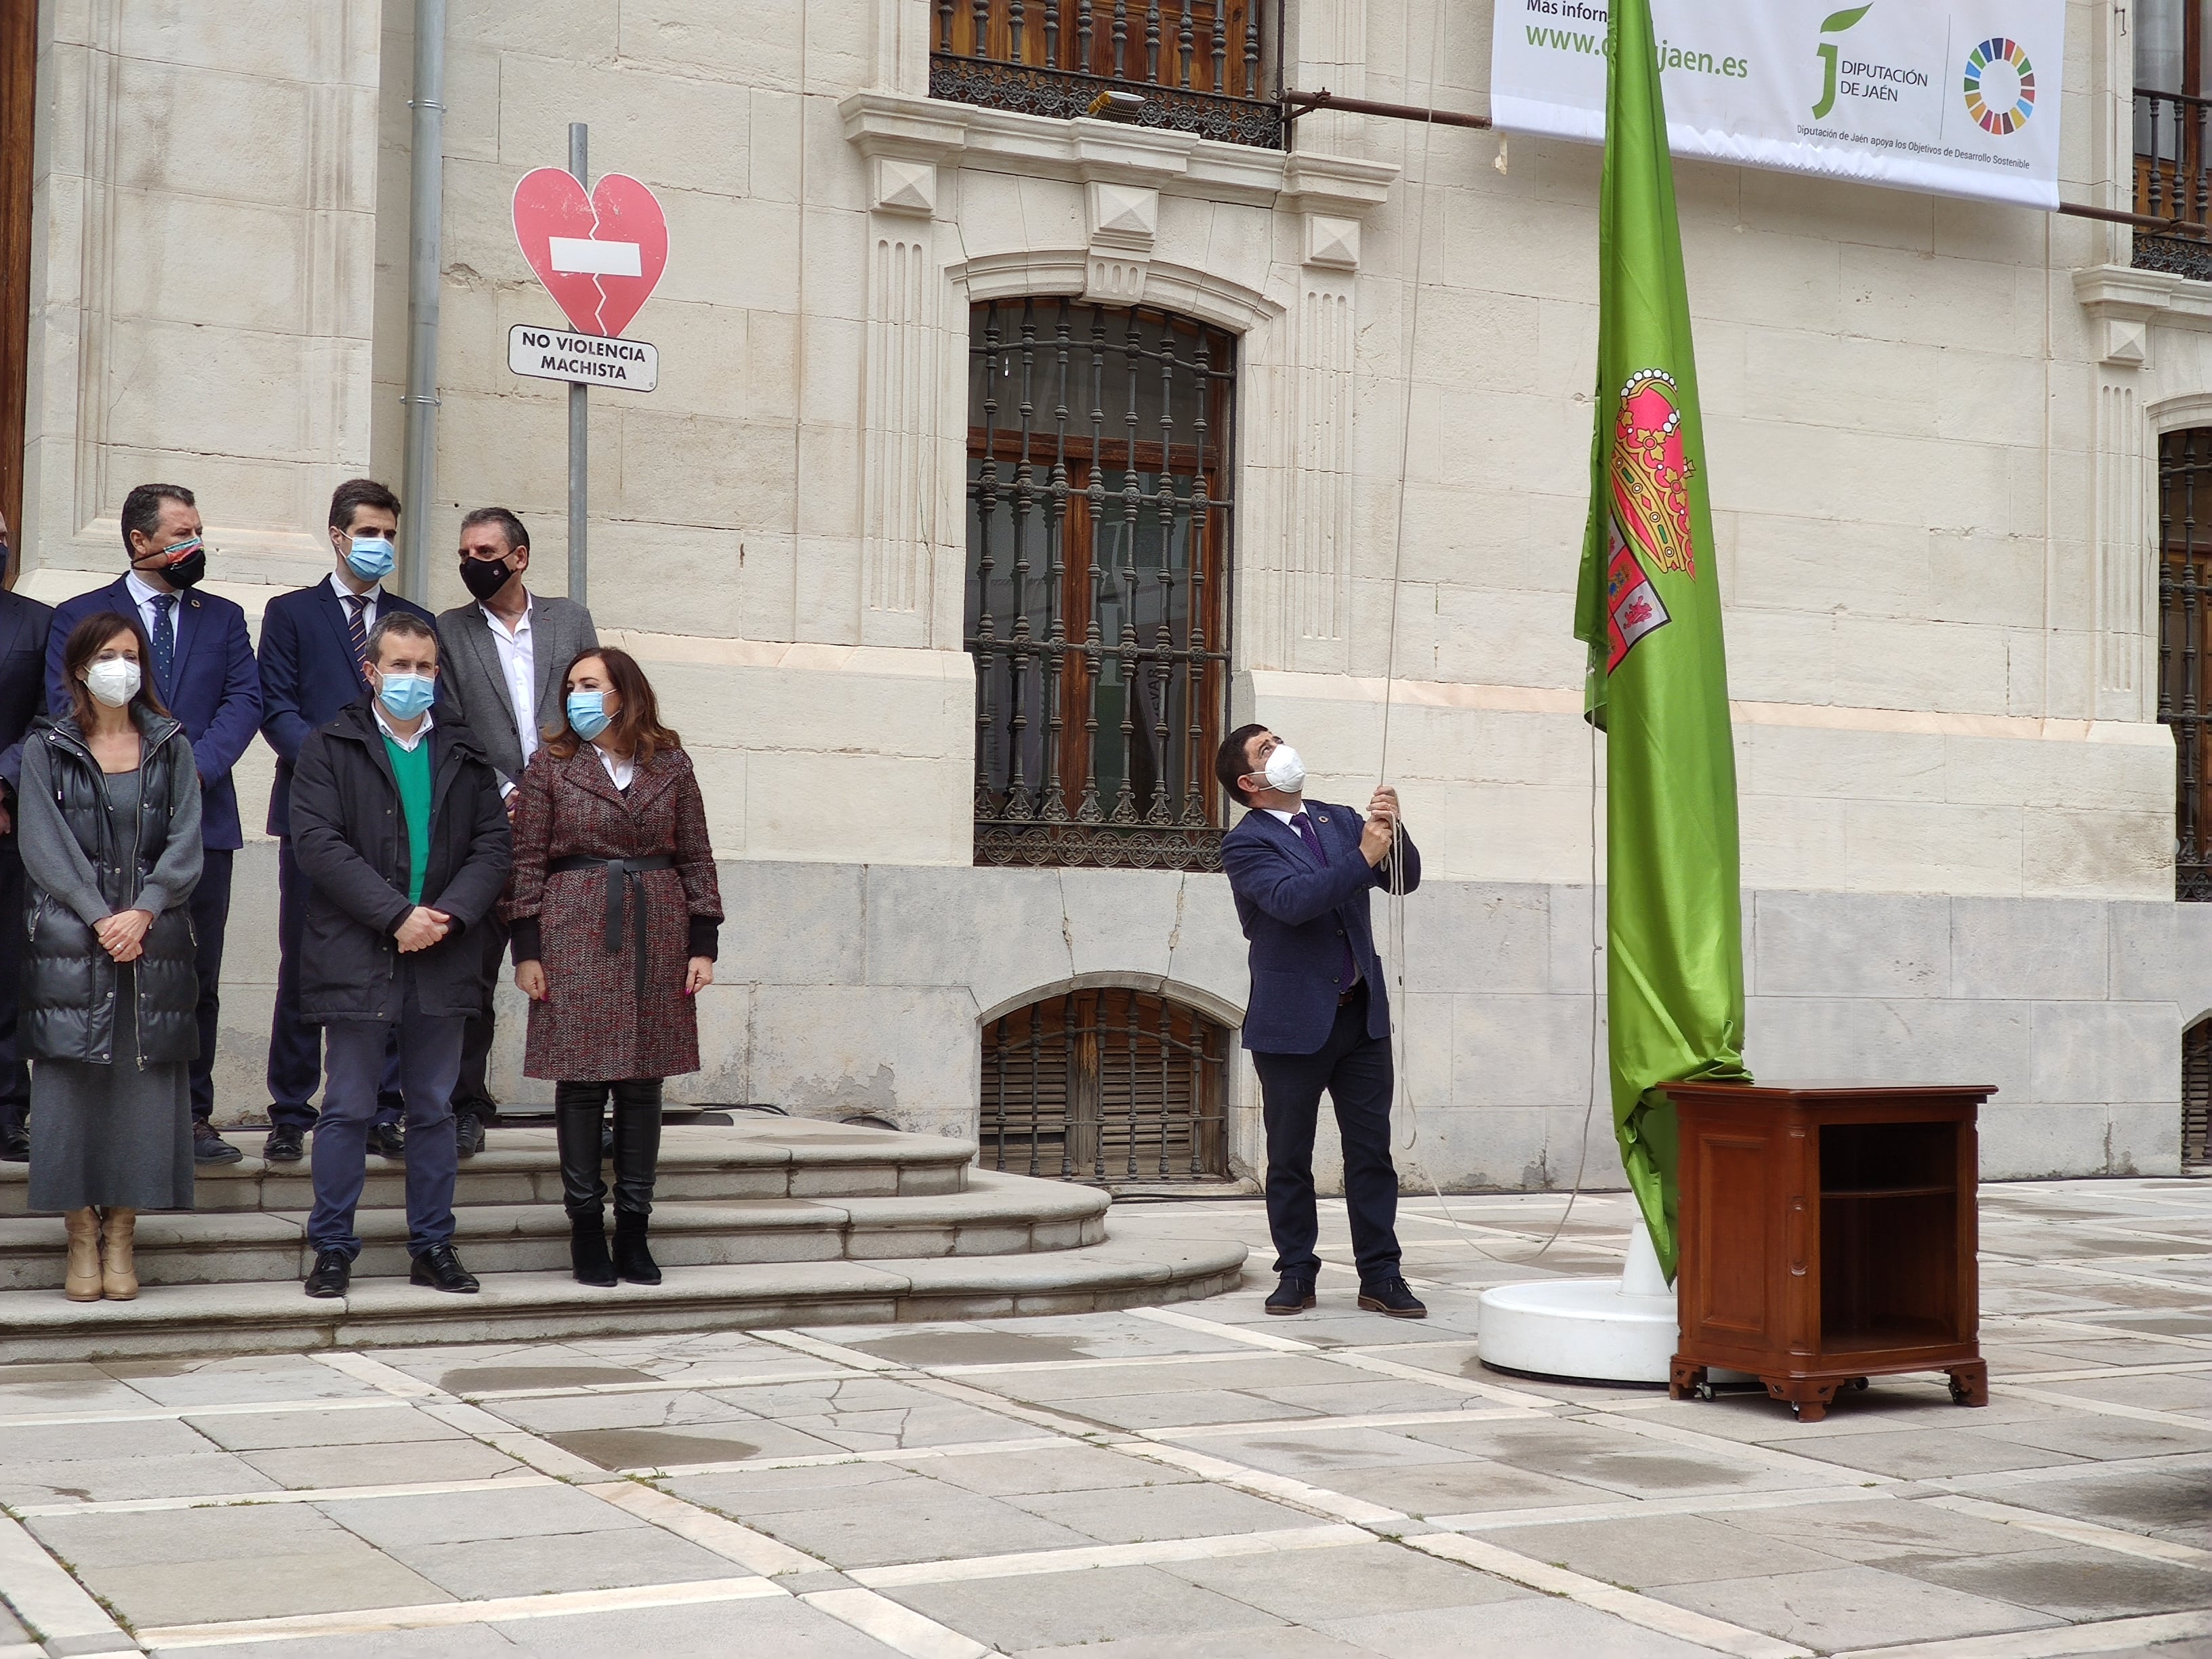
<point>576,1107</point>
<point>633,1261</point>
<point>587,1249</point>
<point>637,1154</point>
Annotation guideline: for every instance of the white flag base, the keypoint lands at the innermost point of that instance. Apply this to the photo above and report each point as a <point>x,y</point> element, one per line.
<point>1591,1330</point>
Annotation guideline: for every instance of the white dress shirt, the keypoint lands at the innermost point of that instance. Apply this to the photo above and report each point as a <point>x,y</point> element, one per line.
<point>518,666</point>
<point>408,743</point>
<point>620,771</point>
<point>346,595</point>
<point>142,594</point>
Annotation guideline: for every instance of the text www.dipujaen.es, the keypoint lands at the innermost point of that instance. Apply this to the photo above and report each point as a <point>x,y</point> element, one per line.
<point>1671,57</point>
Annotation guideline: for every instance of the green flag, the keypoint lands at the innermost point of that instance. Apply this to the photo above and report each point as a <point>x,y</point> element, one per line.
<point>1649,608</point>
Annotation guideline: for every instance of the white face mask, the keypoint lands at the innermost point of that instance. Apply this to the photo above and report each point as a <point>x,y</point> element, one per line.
<point>114,681</point>
<point>1286,771</point>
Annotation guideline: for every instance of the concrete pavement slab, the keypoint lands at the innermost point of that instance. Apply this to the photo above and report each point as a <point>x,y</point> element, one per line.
<point>1855,1607</point>
<point>1103,1604</point>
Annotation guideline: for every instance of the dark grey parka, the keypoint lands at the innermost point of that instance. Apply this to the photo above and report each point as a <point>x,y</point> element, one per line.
<point>78,876</point>
<point>350,837</point>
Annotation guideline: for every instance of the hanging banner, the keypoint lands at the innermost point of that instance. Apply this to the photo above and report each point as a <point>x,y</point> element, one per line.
<point>1958,97</point>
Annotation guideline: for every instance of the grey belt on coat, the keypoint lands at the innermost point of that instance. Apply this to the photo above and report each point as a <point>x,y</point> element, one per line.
<point>621,873</point>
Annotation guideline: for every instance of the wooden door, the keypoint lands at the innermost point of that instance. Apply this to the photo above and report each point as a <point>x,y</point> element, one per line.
<point>19,76</point>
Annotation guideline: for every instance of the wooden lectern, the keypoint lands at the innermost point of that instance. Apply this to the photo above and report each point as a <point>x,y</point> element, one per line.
<point>1827,1234</point>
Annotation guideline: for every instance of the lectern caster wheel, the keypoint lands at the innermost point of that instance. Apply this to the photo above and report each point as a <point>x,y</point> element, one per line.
<point>1796,1410</point>
<point>1860,1384</point>
<point>1959,1394</point>
<point>1703,1391</point>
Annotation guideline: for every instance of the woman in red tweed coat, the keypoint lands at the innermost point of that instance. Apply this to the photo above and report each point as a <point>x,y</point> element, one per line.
<point>615,911</point>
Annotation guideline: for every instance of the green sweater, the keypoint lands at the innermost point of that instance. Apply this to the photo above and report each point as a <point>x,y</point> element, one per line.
<point>412,767</point>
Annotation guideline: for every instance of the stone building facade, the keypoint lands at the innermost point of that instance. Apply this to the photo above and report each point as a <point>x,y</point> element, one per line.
<point>1935,431</point>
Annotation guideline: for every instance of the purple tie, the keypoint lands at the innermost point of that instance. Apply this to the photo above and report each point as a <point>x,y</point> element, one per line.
<point>1307,833</point>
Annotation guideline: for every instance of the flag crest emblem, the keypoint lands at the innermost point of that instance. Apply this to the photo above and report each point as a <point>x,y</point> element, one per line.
<point>1651,472</point>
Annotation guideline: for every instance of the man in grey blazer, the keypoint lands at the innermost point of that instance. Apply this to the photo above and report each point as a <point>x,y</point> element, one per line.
<point>504,656</point>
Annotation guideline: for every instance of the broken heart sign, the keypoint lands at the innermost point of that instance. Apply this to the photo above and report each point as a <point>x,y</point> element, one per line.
<point>599,256</point>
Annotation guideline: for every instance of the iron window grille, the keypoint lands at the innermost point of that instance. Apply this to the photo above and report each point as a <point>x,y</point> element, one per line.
<point>2185,620</point>
<point>1105,1086</point>
<point>1196,64</point>
<point>1097,583</point>
<point>2197,1095</point>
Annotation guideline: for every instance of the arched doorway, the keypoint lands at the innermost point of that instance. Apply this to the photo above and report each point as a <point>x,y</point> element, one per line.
<point>1106,1084</point>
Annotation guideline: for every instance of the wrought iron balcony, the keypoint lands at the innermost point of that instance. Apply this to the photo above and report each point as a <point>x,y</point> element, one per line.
<point>2174,180</point>
<point>1197,65</point>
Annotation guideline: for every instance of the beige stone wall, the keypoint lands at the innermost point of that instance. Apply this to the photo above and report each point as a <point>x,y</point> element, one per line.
<point>1930,429</point>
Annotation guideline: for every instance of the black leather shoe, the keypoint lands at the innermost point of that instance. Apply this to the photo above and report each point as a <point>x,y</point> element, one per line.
<point>388,1140</point>
<point>1390,1296</point>
<point>209,1147</point>
<point>14,1143</point>
<point>468,1133</point>
<point>333,1270</point>
<point>441,1270</point>
<point>587,1251</point>
<point>285,1144</point>
<point>1293,1296</point>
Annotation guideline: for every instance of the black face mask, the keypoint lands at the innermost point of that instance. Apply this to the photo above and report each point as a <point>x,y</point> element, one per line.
<point>185,573</point>
<point>486,577</point>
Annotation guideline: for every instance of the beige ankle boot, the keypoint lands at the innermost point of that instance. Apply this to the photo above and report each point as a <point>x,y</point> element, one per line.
<point>80,1279</point>
<point>118,1270</point>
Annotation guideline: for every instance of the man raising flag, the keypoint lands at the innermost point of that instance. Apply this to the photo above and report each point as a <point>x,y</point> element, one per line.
<point>1650,610</point>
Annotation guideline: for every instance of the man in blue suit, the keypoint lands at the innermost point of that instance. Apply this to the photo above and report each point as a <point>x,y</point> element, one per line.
<point>23,624</point>
<point>315,662</point>
<point>1319,1017</point>
<point>203,667</point>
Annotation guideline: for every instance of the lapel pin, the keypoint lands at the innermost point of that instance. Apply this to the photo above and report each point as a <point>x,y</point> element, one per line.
<point>1323,817</point>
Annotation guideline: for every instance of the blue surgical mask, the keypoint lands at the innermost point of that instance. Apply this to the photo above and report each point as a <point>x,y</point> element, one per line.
<point>406,695</point>
<point>370,558</point>
<point>587,714</point>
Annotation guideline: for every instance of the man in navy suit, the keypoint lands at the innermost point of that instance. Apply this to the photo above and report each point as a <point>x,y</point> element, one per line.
<point>23,623</point>
<point>315,662</point>
<point>1319,1018</point>
<point>203,667</point>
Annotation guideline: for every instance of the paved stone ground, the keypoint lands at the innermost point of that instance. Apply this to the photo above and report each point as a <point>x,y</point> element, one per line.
<point>1199,1481</point>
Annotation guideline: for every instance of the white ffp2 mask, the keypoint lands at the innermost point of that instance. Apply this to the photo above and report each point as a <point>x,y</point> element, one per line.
<point>114,681</point>
<point>1286,771</point>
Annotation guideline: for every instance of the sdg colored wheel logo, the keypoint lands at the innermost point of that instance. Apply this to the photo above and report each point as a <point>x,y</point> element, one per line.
<point>2000,87</point>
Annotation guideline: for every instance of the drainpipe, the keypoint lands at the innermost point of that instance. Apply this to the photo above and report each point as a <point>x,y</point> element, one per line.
<point>426,218</point>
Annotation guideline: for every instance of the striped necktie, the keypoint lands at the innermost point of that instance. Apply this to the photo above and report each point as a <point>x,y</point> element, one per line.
<point>355,603</point>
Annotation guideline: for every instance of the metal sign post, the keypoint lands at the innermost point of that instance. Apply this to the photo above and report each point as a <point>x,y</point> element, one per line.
<point>580,425</point>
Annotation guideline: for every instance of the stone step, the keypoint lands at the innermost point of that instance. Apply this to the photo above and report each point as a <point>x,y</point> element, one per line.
<point>764,1159</point>
<point>997,1215</point>
<point>276,1316</point>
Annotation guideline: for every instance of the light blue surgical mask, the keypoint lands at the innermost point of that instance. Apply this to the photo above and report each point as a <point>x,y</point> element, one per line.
<point>587,714</point>
<point>370,558</point>
<point>406,695</point>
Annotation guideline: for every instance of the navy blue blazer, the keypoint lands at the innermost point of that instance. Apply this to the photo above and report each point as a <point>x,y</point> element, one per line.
<point>213,690</point>
<point>1298,915</point>
<point>23,625</point>
<point>308,674</point>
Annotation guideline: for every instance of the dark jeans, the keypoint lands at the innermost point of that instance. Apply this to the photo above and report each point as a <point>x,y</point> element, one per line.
<point>1355,1070</point>
<point>14,1074</point>
<point>429,1059</point>
<point>473,1092</point>
<point>211,912</point>
<point>295,1047</point>
<point>576,1119</point>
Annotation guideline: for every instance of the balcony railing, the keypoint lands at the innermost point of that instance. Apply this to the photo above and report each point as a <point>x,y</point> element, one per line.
<point>1199,65</point>
<point>2174,180</point>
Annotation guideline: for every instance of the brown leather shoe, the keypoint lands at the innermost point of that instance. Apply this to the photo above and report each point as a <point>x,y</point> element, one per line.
<point>118,1267</point>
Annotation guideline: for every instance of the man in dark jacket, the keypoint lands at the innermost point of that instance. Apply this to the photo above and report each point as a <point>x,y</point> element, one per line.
<point>1319,1018</point>
<point>23,626</point>
<point>314,661</point>
<point>398,827</point>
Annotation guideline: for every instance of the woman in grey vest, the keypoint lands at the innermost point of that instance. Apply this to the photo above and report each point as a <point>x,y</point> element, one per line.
<point>108,816</point>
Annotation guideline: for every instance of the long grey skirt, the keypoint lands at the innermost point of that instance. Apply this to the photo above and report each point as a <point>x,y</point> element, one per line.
<point>111,1135</point>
